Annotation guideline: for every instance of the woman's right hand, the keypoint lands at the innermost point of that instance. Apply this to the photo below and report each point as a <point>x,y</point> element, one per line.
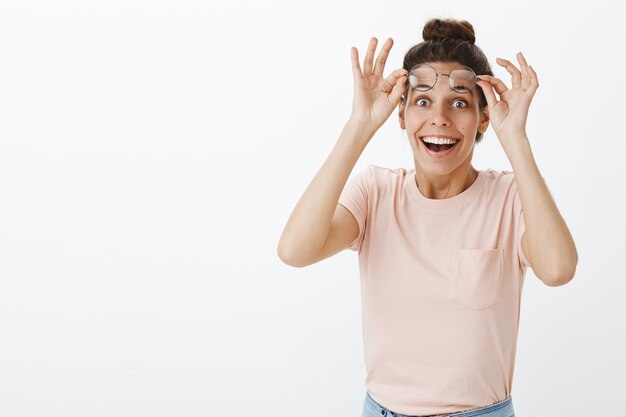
<point>375,97</point>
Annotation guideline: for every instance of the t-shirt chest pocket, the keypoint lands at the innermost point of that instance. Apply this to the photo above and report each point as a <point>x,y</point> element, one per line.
<point>477,279</point>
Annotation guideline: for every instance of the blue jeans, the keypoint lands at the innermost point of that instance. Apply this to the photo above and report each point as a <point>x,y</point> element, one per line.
<point>502,409</point>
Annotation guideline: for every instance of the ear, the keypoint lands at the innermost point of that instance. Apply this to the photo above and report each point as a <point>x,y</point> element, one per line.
<point>401,113</point>
<point>484,120</point>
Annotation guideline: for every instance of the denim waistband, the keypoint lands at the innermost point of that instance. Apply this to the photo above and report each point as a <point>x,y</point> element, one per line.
<point>503,408</point>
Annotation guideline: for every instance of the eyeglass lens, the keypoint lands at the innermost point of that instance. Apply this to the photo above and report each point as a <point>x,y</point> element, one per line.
<point>424,77</point>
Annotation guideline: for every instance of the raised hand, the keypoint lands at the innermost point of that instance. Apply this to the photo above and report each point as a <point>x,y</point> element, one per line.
<point>375,97</point>
<point>508,115</point>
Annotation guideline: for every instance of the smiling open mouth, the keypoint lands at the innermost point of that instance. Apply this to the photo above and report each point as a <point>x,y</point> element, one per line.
<point>439,148</point>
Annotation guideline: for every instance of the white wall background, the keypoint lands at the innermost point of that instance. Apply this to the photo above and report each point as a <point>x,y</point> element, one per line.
<point>152,151</point>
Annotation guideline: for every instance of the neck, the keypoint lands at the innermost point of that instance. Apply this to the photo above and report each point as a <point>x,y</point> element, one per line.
<point>437,186</point>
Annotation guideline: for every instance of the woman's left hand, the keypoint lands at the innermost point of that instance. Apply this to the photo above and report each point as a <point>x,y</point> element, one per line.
<point>508,115</point>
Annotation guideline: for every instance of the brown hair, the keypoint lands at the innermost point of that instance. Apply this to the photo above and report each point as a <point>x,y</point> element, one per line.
<point>449,40</point>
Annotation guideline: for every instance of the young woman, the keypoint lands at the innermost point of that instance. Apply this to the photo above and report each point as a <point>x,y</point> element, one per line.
<point>444,247</point>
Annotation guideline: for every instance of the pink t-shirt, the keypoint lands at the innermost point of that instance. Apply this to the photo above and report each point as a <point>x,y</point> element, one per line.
<point>441,282</point>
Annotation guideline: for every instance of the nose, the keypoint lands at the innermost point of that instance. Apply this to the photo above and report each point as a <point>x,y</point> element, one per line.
<point>439,116</point>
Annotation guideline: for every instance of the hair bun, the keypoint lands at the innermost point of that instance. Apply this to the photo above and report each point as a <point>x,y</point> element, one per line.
<point>438,29</point>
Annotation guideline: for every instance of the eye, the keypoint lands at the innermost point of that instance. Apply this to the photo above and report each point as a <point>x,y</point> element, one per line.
<point>420,100</point>
<point>459,101</point>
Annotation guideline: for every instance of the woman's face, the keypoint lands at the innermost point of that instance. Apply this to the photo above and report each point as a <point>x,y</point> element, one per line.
<point>443,112</point>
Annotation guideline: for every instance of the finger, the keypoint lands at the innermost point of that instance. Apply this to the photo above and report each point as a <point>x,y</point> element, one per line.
<point>382,57</point>
<point>534,81</point>
<point>356,68</point>
<point>516,75</point>
<point>390,82</point>
<point>398,90</point>
<point>525,70</point>
<point>488,90</point>
<point>497,83</point>
<point>369,57</point>
<point>393,77</point>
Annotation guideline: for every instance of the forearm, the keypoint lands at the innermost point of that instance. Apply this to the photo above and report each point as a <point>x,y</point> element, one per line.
<point>309,223</point>
<point>552,249</point>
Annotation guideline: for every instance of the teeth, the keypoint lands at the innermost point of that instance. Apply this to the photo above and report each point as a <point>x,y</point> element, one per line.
<point>438,141</point>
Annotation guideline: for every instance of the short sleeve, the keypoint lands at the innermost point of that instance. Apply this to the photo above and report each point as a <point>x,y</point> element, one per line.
<point>354,197</point>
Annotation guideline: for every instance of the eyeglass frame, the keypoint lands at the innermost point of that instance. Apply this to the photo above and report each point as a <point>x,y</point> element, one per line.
<point>437,77</point>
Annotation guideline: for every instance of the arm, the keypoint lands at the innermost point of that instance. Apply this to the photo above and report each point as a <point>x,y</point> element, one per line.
<point>374,99</point>
<point>309,223</point>
<point>547,243</point>
<point>550,248</point>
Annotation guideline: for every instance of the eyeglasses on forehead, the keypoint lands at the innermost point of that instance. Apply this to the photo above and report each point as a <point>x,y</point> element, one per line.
<point>423,77</point>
